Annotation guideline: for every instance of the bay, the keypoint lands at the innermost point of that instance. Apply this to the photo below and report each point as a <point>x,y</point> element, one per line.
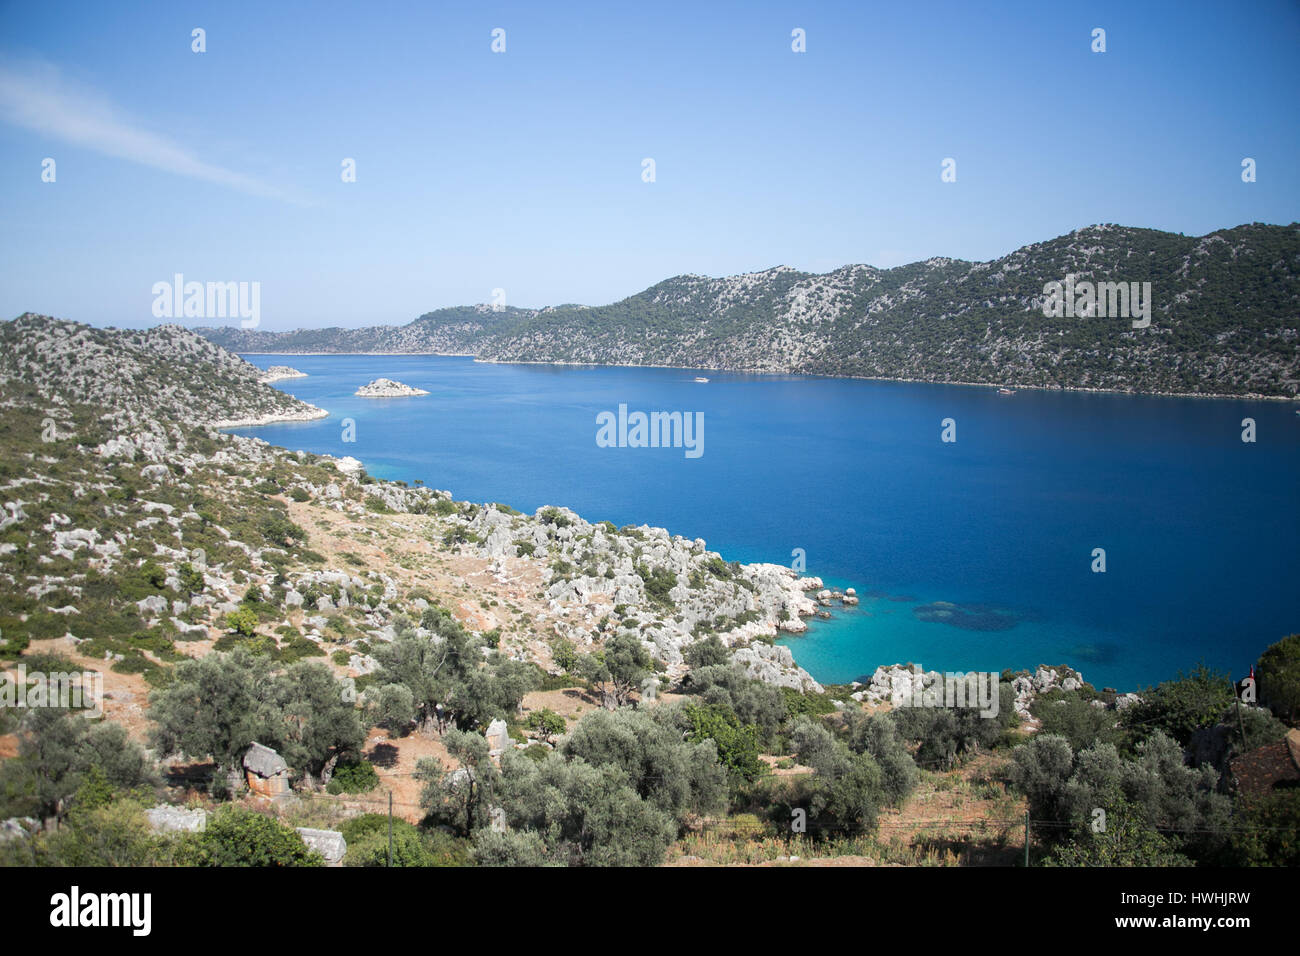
<point>1199,528</point>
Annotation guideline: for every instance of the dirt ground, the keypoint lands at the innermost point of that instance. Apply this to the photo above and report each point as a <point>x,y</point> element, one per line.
<point>126,696</point>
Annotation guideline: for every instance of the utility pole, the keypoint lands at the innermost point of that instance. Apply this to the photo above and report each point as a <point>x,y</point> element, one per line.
<point>390,828</point>
<point>1026,837</point>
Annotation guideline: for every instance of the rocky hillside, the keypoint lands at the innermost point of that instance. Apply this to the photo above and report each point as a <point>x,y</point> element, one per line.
<point>166,373</point>
<point>1225,319</point>
<point>131,528</point>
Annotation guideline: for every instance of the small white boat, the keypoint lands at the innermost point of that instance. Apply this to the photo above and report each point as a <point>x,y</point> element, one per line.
<point>700,378</point>
<point>1006,391</point>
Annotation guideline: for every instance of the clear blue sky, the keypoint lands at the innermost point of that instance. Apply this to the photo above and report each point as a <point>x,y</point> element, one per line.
<point>522,170</point>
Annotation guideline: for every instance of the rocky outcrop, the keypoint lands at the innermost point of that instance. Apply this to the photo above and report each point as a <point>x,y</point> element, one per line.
<point>387,388</point>
<point>18,828</point>
<point>775,665</point>
<point>328,843</point>
<point>898,684</point>
<point>169,819</point>
<point>895,685</point>
<point>673,588</point>
<point>278,373</point>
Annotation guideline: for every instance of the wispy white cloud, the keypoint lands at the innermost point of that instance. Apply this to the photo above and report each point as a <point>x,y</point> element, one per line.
<point>36,96</point>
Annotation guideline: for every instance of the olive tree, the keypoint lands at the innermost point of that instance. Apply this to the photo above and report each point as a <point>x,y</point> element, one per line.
<point>58,751</point>
<point>460,797</point>
<point>846,791</point>
<point>215,705</point>
<point>676,775</point>
<point>570,812</point>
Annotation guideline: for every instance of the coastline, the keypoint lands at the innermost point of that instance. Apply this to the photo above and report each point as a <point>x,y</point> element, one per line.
<point>877,378</point>
<point>1249,396</point>
<point>803,613</point>
<point>313,414</point>
<point>794,650</point>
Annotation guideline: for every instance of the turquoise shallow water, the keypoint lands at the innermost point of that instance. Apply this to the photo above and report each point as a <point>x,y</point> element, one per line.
<point>1199,528</point>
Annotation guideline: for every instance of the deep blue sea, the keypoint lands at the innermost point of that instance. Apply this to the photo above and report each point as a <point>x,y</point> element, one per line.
<point>1199,528</point>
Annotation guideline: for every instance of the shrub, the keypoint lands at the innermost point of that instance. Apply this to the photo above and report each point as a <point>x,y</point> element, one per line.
<point>1077,720</point>
<point>236,836</point>
<point>564,654</point>
<point>553,516</point>
<point>737,744</point>
<point>658,582</point>
<point>798,704</point>
<point>1279,678</point>
<point>706,652</point>
<point>191,579</point>
<point>242,621</point>
<point>357,777</point>
<point>546,722</point>
<point>1182,706</point>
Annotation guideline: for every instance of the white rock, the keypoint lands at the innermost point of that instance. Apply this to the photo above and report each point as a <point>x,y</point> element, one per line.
<point>387,388</point>
<point>167,819</point>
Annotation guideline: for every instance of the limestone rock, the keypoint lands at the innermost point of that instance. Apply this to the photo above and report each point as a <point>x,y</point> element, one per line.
<point>328,843</point>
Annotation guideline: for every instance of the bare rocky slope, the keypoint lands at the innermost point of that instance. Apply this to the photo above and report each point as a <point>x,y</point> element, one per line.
<point>1225,320</point>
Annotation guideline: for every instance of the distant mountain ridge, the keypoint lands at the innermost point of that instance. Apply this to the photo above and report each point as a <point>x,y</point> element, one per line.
<point>1226,320</point>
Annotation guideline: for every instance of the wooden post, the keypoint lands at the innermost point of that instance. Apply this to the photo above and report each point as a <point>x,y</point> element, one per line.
<point>390,828</point>
<point>1026,838</point>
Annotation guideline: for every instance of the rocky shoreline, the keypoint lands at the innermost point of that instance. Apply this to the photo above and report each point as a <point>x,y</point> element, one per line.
<point>900,685</point>
<point>669,591</point>
<point>310,414</point>
<point>278,373</point>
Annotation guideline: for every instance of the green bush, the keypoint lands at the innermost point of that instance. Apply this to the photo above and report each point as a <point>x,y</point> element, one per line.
<point>737,744</point>
<point>358,777</point>
<point>798,704</point>
<point>546,723</point>
<point>1182,706</point>
<point>1073,717</point>
<point>242,621</point>
<point>236,836</point>
<point>367,838</point>
<point>1279,678</point>
<point>564,654</point>
<point>658,583</point>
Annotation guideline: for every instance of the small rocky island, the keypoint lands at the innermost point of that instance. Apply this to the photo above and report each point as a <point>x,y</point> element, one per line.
<point>387,388</point>
<point>278,373</point>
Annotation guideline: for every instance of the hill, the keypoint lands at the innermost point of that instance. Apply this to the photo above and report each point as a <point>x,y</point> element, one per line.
<point>1225,319</point>
<point>164,373</point>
